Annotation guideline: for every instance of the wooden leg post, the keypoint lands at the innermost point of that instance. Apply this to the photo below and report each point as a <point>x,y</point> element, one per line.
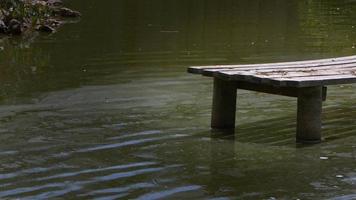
<point>309,115</point>
<point>224,105</point>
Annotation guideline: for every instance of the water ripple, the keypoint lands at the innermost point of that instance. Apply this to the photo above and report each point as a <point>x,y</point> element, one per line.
<point>129,143</point>
<point>70,174</point>
<point>170,192</point>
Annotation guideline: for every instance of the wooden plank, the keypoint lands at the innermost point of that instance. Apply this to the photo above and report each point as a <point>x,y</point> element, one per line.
<point>284,91</point>
<point>269,89</point>
<point>255,77</point>
<point>290,74</point>
<point>306,62</point>
<point>351,71</point>
<point>281,69</point>
<point>271,69</point>
<point>298,82</point>
<point>198,69</point>
<point>293,74</point>
<point>313,81</point>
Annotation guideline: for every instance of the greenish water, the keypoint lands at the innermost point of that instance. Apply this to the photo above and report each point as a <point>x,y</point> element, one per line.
<point>104,108</point>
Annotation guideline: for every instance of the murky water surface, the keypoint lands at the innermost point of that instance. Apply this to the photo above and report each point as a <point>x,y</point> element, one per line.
<point>104,108</point>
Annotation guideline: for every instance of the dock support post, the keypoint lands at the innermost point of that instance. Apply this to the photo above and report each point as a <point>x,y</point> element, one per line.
<point>224,105</point>
<point>309,115</point>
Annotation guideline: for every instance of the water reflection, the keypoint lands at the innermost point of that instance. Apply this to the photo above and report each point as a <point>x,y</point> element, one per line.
<point>133,38</point>
<point>104,108</point>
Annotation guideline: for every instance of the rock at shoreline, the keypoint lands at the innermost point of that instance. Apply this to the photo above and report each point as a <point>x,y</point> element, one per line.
<point>15,27</point>
<point>3,27</point>
<point>66,12</point>
<point>45,28</point>
<point>18,16</point>
<point>55,2</point>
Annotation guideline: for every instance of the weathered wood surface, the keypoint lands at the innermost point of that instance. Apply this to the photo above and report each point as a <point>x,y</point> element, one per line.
<point>270,89</point>
<point>287,74</point>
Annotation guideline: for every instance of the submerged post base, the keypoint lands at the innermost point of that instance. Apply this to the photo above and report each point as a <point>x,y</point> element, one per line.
<point>301,141</point>
<point>309,115</point>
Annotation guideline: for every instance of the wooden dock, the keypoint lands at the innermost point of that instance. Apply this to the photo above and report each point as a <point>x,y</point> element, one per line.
<point>306,80</point>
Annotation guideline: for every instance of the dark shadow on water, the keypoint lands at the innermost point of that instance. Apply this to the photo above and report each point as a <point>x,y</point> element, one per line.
<point>223,134</point>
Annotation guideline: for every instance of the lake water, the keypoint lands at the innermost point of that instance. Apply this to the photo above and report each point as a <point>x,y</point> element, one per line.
<point>104,108</point>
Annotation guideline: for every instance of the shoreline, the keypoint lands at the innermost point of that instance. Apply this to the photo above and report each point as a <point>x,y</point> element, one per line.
<point>20,16</point>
